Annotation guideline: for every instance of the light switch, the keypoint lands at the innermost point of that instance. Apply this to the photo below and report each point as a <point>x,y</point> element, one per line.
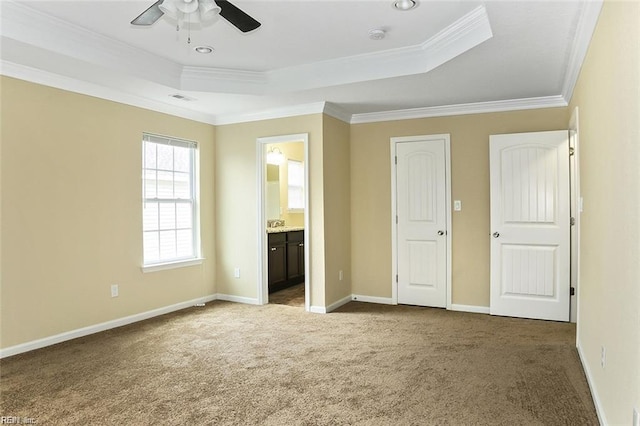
<point>457,205</point>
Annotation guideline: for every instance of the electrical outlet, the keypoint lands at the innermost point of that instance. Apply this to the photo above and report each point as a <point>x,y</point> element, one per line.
<point>236,272</point>
<point>114,290</point>
<point>457,205</point>
<point>340,275</point>
<point>603,356</point>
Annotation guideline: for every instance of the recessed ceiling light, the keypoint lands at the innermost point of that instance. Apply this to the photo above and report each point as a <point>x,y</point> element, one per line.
<point>405,4</point>
<point>376,34</point>
<point>204,49</point>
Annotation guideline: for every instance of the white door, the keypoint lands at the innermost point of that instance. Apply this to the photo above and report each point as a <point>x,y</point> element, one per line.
<point>421,228</point>
<point>530,258</point>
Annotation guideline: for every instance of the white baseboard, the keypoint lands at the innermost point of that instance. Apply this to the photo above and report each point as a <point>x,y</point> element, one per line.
<point>85,331</point>
<point>317,309</point>
<point>470,308</point>
<point>372,299</point>
<point>332,307</point>
<point>592,388</point>
<point>237,299</point>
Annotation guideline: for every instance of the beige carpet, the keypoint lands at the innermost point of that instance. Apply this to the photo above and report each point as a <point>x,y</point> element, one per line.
<point>365,364</point>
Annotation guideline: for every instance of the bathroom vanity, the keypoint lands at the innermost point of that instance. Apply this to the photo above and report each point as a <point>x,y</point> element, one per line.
<point>286,257</point>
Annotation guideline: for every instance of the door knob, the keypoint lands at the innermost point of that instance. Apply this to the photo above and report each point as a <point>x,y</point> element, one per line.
<point>440,232</point>
<point>496,234</point>
<point>273,249</point>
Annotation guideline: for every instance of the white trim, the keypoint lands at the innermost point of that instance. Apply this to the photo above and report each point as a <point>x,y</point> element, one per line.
<point>85,331</point>
<point>461,109</point>
<point>46,78</point>
<point>171,265</point>
<point>70,42</point>
<point>269,114</point>
<point>373,299</point>
<point>469,308</point>
<point>337,112</point>
<point>586,27</point>
<point>449,229</point>
<point>574,178</point>
<point>237,299</point>
<point>592,387</point>
<point>263,286</point>
<point>460,36</point>
<point>318,310</point>
<point>335,305</point>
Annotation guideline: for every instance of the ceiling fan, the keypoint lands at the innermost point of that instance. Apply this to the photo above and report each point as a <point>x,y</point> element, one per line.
<point>198,9</point>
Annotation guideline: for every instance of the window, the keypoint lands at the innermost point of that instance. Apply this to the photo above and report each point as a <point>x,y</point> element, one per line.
<point>170,209</point>
<point>295,171</point>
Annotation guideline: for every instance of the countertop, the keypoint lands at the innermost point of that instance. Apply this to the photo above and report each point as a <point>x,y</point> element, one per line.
<point>284,229</point>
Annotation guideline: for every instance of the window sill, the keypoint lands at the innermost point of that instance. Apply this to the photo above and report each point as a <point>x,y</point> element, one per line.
<point>171,265</point>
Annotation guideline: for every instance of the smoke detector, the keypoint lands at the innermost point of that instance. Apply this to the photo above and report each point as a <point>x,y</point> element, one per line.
<point>377,34</point>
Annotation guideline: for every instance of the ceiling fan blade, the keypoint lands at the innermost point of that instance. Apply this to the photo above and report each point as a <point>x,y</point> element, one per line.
<point>149,16</point>
<point>237,17</point>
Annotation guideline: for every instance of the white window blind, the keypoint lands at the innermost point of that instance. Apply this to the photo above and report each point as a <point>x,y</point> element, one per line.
<point>169,223</point>
<point>295,171</point>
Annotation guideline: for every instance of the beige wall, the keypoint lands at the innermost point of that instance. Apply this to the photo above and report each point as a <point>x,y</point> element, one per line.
<point>337,201</point>
<point>608,97</point>
<point>72,212</point>
<point>237,210</point>
<point>371,195</point>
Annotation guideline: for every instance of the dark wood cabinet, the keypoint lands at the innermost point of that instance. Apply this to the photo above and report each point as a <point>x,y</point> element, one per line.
<point>295,255</point>
<point>286,259</point>
<point>277,258</point>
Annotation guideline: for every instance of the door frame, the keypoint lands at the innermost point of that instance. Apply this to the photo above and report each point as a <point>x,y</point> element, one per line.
<point>394,243</point>
<point>575,206</point>
<point>261,185</point>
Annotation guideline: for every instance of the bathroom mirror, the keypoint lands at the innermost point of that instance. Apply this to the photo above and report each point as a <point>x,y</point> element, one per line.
<point>273,192</point>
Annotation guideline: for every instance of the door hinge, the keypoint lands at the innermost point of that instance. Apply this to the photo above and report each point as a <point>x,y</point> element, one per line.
<point>396,159</point>
<point>396,278</point>
<point>572,151</point>
<point>572,291</point>
<point>572,221</point>
<point>396,219</point>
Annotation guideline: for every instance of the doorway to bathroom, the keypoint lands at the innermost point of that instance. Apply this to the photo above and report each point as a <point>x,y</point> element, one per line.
<point>283,195</point>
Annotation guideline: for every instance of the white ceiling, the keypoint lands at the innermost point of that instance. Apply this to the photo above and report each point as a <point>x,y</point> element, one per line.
<point>443,57</point>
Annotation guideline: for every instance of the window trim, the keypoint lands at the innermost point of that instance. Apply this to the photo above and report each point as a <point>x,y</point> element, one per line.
<point>194,200</point>
<point>301,187</point>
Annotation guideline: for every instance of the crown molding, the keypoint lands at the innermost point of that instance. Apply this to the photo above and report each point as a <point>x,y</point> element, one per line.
<point>32,27</point>
<point>462,109</point>
<point>337,112</point>
<point>270,114</point>
<point>462,35</point>
<point>46,78</point>
<point>220,80</point>
<point>586,27</point>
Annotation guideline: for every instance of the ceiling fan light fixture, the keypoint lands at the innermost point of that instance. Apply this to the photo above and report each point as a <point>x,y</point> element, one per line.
<point>186,6</point>
<point>168,7</point>
<point>208,10</point>
<point>405,4</point>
